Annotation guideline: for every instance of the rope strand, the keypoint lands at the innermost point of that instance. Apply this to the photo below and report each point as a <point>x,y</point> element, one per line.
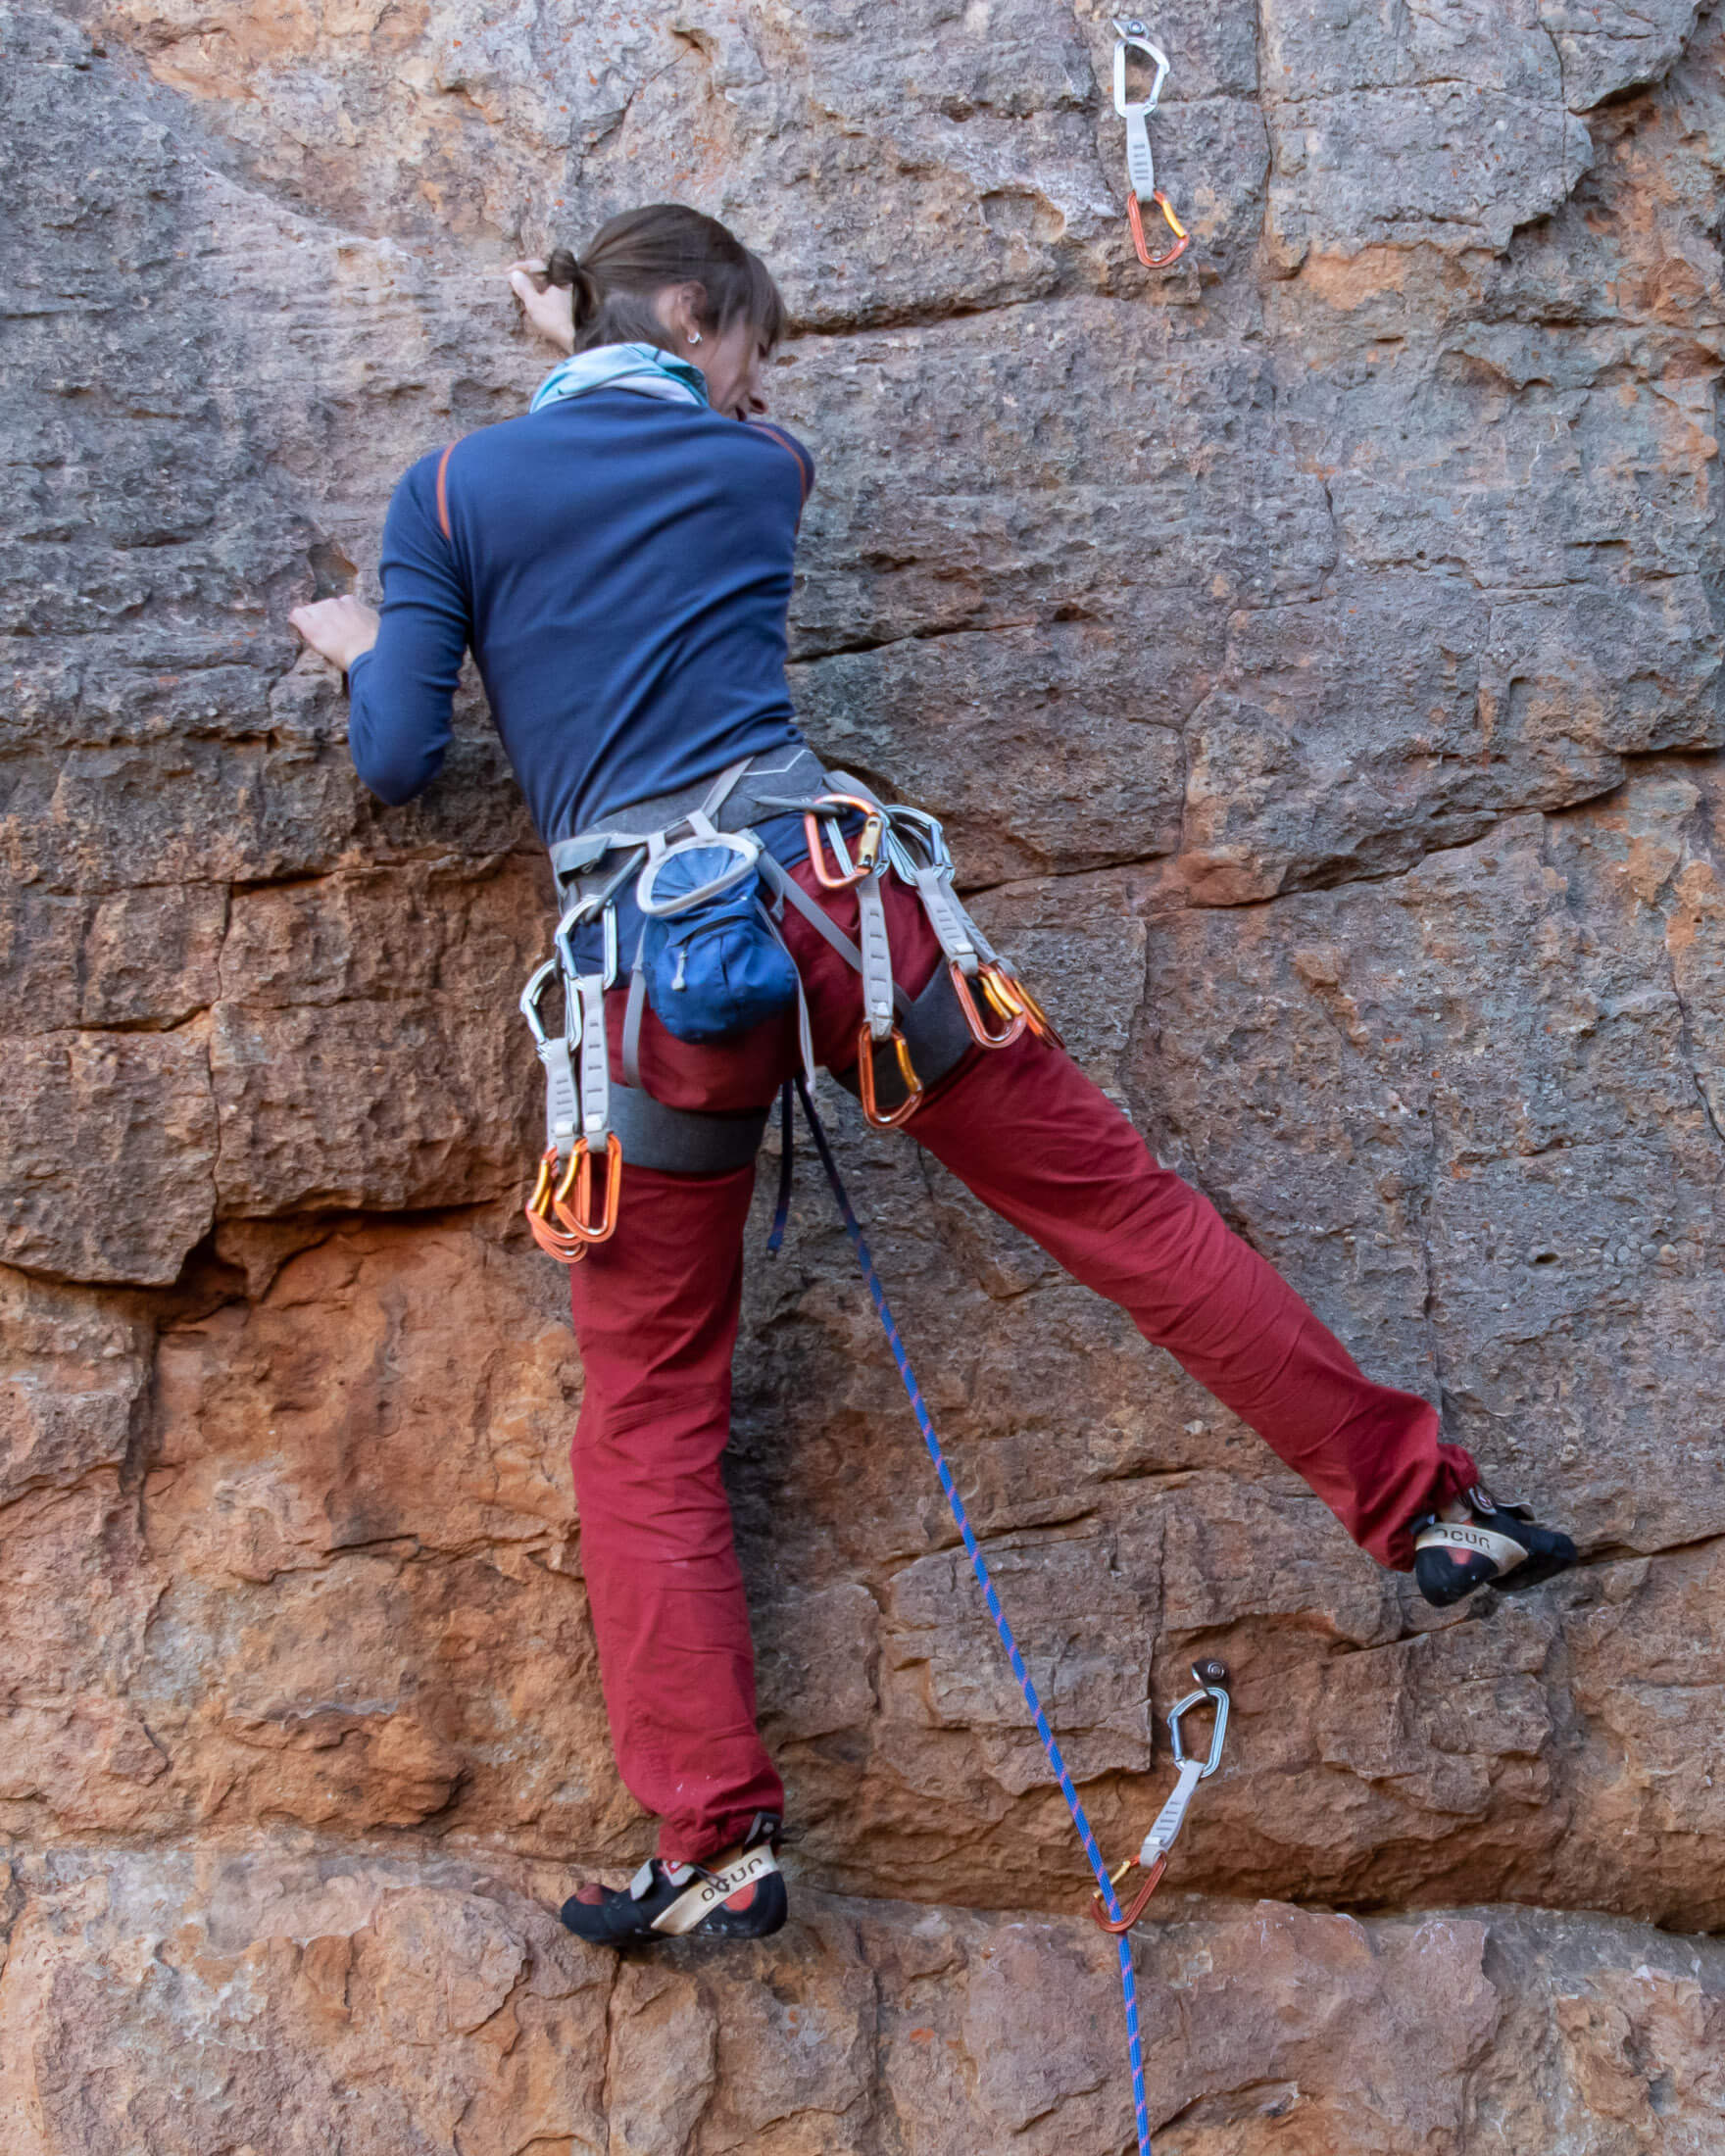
<point>972,1550</point>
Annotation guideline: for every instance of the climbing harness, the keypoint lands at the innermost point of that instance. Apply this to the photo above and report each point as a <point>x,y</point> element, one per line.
<point>1132,35</point>
<point>1212,1680</point>
<point>687,879</point>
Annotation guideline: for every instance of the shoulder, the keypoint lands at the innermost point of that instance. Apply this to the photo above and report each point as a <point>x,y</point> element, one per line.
<point>787,443</point>
<point>424,483</point>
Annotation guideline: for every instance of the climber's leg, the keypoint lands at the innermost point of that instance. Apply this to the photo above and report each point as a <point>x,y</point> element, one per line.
<point>1046,1148</point>
<point>656,1320</point>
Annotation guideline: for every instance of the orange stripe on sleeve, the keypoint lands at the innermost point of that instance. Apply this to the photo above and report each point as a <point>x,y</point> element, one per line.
<point>443,493</point>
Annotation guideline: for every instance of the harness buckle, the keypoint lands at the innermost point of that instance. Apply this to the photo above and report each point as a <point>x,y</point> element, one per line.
<point>866,1080</point>
<point>868,843</point>
<point>1016,1017</point>
<point>1212,1679</point>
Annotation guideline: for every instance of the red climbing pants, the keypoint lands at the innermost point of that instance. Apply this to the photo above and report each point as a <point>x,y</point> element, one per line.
<point>656,1319</point>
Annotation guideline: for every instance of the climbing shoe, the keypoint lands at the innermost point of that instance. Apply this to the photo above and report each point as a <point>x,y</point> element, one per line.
<point>740,1894</point>
<point>1475,1542</point>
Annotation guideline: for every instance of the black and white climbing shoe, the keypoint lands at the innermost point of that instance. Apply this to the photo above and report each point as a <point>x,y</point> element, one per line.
<point>1475,1542</point>
<point>740,1894</point>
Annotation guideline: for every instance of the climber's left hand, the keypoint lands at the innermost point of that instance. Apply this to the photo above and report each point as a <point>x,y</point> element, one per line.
<point>340,629</point>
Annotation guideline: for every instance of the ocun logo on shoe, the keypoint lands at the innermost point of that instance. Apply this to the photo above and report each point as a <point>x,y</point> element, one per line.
<point>706,1894</point>
<point>726,1884</point>
<point>1478,1537</point>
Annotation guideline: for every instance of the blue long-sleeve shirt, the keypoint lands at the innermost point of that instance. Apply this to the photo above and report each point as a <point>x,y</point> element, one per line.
<point>620,566</point>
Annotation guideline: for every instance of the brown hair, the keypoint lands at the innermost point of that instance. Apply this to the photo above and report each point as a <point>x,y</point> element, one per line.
<point>634,257</point>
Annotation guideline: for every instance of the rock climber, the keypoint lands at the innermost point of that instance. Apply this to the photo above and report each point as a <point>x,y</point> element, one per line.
<point>618,560</point>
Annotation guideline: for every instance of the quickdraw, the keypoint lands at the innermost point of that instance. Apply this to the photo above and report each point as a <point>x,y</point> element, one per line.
<point>1134,36</point>
<point>1212,1680</point>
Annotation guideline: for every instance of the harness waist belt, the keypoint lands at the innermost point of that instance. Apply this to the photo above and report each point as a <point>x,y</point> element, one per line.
<point>793,769</point>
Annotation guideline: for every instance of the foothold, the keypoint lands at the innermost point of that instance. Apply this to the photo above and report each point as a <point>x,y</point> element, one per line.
<point>1209,1673</point>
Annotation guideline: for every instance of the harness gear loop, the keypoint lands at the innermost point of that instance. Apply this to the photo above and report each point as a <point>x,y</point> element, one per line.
<point>1212,1679</point>
<point>871,1109</point>
<point>1134,36</point>
<point>868,842</point>
<point>1016,1018</point>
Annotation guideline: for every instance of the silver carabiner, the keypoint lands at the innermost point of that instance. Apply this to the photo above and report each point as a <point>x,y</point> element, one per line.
<point>581,912</point>
<point>1212,1679</point>
<point>918,830</point>
<point>1134,36</point>
<point>531,997</point>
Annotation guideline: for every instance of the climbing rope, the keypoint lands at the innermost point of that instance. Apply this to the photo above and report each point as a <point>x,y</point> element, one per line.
<point>978,1564</point>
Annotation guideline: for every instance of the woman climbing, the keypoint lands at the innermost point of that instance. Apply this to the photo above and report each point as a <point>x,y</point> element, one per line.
<point>620,561</point>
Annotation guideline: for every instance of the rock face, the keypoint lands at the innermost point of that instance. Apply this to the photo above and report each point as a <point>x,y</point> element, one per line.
<point>1317,655</point>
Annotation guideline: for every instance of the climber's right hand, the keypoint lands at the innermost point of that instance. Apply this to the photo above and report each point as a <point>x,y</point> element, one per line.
<point>550,309</point>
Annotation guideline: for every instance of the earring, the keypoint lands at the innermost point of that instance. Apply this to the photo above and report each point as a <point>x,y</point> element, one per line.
<point>694,336</point>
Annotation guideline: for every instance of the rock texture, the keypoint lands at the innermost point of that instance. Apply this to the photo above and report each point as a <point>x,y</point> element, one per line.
<point>1317,656</point>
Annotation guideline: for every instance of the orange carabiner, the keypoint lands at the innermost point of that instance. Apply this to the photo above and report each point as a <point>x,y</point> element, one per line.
<point>1008,993</point>
<point>566,1248</point>
<point>867,842</point>
<point>866,1080</point>
<point>578,1176</point>
<point>1016,1020</point>
<point>1140,1901</point>
<point>1182,237</point>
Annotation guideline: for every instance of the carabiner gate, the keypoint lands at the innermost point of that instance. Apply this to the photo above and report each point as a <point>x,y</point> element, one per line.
<point>1016,1018</point>
<point>866,1080</point>
<point>868,842</point>
<point>1009,994</point>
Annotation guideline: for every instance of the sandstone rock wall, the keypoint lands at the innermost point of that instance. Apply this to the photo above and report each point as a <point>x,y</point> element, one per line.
<point>1316,653</point>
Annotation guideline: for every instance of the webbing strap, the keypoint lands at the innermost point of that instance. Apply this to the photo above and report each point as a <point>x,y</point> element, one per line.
<point>563,1112</point>
<point>972,1550</point>
<point>878,997</point>
<point>945,916</point>
<point>595,1064</point>
<point>632,1010</point>
<point>804,1032</point>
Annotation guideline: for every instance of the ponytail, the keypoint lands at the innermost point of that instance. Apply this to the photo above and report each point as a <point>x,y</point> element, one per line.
<point>635,257</point>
